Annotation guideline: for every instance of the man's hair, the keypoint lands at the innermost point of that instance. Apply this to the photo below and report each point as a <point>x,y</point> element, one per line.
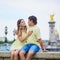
<point>33,18</point>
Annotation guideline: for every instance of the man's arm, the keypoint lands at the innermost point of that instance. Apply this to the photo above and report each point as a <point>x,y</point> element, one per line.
<point>37,34</point>
<point>42,46</point>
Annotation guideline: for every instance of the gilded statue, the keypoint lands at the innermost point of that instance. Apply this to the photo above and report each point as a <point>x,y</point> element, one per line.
<point>52,17</point>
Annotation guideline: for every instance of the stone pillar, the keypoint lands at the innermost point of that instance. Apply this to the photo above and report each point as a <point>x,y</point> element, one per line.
<point>52,40</point>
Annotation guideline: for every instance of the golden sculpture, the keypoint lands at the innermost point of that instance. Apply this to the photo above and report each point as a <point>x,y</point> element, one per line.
<point>52,18</point>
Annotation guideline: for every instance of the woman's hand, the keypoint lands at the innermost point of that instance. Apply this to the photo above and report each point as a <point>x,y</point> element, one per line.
<point>15,31</point>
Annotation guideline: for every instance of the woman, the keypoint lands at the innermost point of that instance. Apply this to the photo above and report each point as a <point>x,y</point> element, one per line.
<point>22,36</point>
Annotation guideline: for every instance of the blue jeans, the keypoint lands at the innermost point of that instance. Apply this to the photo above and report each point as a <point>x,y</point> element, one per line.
<point>30,47</point>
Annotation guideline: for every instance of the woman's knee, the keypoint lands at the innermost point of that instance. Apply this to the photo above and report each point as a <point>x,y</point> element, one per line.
<point>16,53</point>
<point>21,53</point>
<point>12,53</point>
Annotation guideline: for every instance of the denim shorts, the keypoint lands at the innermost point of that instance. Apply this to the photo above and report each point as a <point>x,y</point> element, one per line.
<point>30,47</point>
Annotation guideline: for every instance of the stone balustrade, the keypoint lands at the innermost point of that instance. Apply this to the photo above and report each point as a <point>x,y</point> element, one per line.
<point>5,55</point>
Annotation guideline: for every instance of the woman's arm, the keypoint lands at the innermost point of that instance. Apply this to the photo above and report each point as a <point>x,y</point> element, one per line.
<point>21,39</point>
<point>24,38</point>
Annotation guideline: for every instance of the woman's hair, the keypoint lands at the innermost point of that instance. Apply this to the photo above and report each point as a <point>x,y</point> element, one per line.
<point>18,22</point>
<point>19,27</point>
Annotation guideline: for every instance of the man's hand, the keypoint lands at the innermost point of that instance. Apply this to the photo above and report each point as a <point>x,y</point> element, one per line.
<point>45,50</point>
<point>30,33</point>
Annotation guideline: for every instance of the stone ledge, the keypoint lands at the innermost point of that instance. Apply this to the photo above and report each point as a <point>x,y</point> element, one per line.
<point>4,53</point>
<point>39,55</point>
<point>48,55</point>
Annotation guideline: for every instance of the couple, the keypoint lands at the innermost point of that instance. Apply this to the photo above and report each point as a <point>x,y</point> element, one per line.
<point>28,39</point>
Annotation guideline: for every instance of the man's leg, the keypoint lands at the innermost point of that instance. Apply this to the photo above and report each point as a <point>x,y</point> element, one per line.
<point>23,51</point>
<point>30,54</point>
<point>33,50</point>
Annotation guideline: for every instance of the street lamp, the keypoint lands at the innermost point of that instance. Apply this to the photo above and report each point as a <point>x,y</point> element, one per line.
<point>6,32</point>
<point>14,35</point>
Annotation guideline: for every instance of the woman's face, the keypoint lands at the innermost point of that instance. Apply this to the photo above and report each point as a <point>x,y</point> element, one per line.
<point>22,23</point>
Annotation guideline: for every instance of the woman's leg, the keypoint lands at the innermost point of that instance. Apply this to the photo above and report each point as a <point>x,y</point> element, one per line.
<point>16,55</point>
<point>22,55</point>
<point>12,55</point>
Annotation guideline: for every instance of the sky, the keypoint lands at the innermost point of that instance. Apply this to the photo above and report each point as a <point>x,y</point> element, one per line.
<point>12,10</point>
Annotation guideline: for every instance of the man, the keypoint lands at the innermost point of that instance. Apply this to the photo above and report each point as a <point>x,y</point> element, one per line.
<point>32,46</point>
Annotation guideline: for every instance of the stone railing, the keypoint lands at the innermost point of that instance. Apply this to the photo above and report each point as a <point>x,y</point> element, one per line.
<point>5,55</point>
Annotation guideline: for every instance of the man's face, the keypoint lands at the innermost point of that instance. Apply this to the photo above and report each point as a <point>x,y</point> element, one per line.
<point>29,22</point>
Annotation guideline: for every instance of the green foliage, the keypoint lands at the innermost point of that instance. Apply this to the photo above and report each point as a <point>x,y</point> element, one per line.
<point>9,42</point>
<point>1,42</point>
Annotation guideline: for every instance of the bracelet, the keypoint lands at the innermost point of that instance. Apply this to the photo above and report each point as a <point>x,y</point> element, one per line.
<point>43,49</point>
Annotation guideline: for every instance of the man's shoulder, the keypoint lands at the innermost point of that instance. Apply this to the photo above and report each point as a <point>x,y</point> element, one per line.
<point>37,27</point>
<point>34,27</point>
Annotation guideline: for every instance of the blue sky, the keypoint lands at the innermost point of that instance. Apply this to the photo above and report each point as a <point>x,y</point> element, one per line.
<point>12,10</point>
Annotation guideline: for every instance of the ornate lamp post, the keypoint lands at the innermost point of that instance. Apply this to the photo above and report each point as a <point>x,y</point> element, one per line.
<point>14,35</point>
<point>52,40</point>
<point>6,32</point>
<point>53,36</point>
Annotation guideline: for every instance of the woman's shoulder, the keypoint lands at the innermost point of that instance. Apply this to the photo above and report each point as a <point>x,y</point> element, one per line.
<point>27,26</point>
